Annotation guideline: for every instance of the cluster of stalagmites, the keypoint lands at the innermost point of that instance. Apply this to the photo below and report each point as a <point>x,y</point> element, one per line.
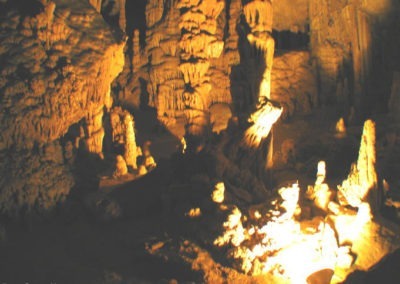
<point>57,68</point>
<point>293,238</point>
<point>264,238</point>
<point>132,156</point>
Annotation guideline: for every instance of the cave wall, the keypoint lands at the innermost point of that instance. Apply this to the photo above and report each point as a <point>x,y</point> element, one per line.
<point>152,77</point>
<point>352,43</point>
<point>58,60</point>
<point>346,38</point>
<point>291,15</point>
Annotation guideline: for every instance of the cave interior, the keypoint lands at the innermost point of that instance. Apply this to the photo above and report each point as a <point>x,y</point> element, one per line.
<point>199,141</point>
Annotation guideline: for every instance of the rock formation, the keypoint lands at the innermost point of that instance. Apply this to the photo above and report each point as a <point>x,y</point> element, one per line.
<point>198,43</point>
<point>343,40</point>
<point>361,186</point>
<point>120,167</point>
<point>259,16</point>
<point>123,135</point>
<point>58,64</point>
<point>294,83</point>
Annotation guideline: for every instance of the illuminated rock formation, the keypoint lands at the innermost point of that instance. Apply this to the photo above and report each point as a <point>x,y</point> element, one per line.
<point>67,58</point>
<point>362,183</point>
<point>130,142</point>
<point>218,195</point>
<point>266,241</point>
<point>198,43</point>
<point>263,119</point>
<point>123,135</point>
<point>320,192</point>
<point>259,18</point>
<point>120,168</point>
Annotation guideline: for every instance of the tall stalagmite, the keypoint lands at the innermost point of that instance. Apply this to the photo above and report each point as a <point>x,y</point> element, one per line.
<point>362,182</point>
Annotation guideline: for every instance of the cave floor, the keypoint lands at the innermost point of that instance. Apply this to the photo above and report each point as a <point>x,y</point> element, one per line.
<point>87,252</point>
<point>80,246</point>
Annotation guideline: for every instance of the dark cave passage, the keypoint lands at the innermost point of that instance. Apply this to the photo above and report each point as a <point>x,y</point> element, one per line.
<point>287,40</point>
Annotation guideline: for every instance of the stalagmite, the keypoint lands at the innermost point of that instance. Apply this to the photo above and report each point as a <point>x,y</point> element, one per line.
<point>218,195</point>
<point>120,167</point>
<point>361,186</point>
<point>320,192</point>
<point>130,142</point>
<point>123,134</point>
<point>340,128</point>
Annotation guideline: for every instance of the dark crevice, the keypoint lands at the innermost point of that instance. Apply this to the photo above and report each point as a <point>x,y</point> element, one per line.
<point>287,40</point>
<point>135,16</point>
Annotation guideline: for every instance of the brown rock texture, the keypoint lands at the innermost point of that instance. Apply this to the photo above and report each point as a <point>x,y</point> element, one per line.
<point>58,61</point>
<point>346,39</point>
<point>154,77</point>
<point>198,43</point>
<point>291,15</point>
<point>294,83</point>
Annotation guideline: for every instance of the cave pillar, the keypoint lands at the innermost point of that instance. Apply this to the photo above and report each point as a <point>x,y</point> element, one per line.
<point>259,16</point>
<point>198,43</point>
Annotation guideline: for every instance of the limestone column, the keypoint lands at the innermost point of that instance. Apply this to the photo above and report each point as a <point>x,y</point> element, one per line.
<point>198,44</point>
<point>259,17</point>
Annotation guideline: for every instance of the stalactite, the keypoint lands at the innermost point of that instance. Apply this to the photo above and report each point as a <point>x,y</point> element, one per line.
<point>259,18</point>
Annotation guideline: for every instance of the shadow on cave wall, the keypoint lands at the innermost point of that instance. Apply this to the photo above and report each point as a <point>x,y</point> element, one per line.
<point>385,60</point>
